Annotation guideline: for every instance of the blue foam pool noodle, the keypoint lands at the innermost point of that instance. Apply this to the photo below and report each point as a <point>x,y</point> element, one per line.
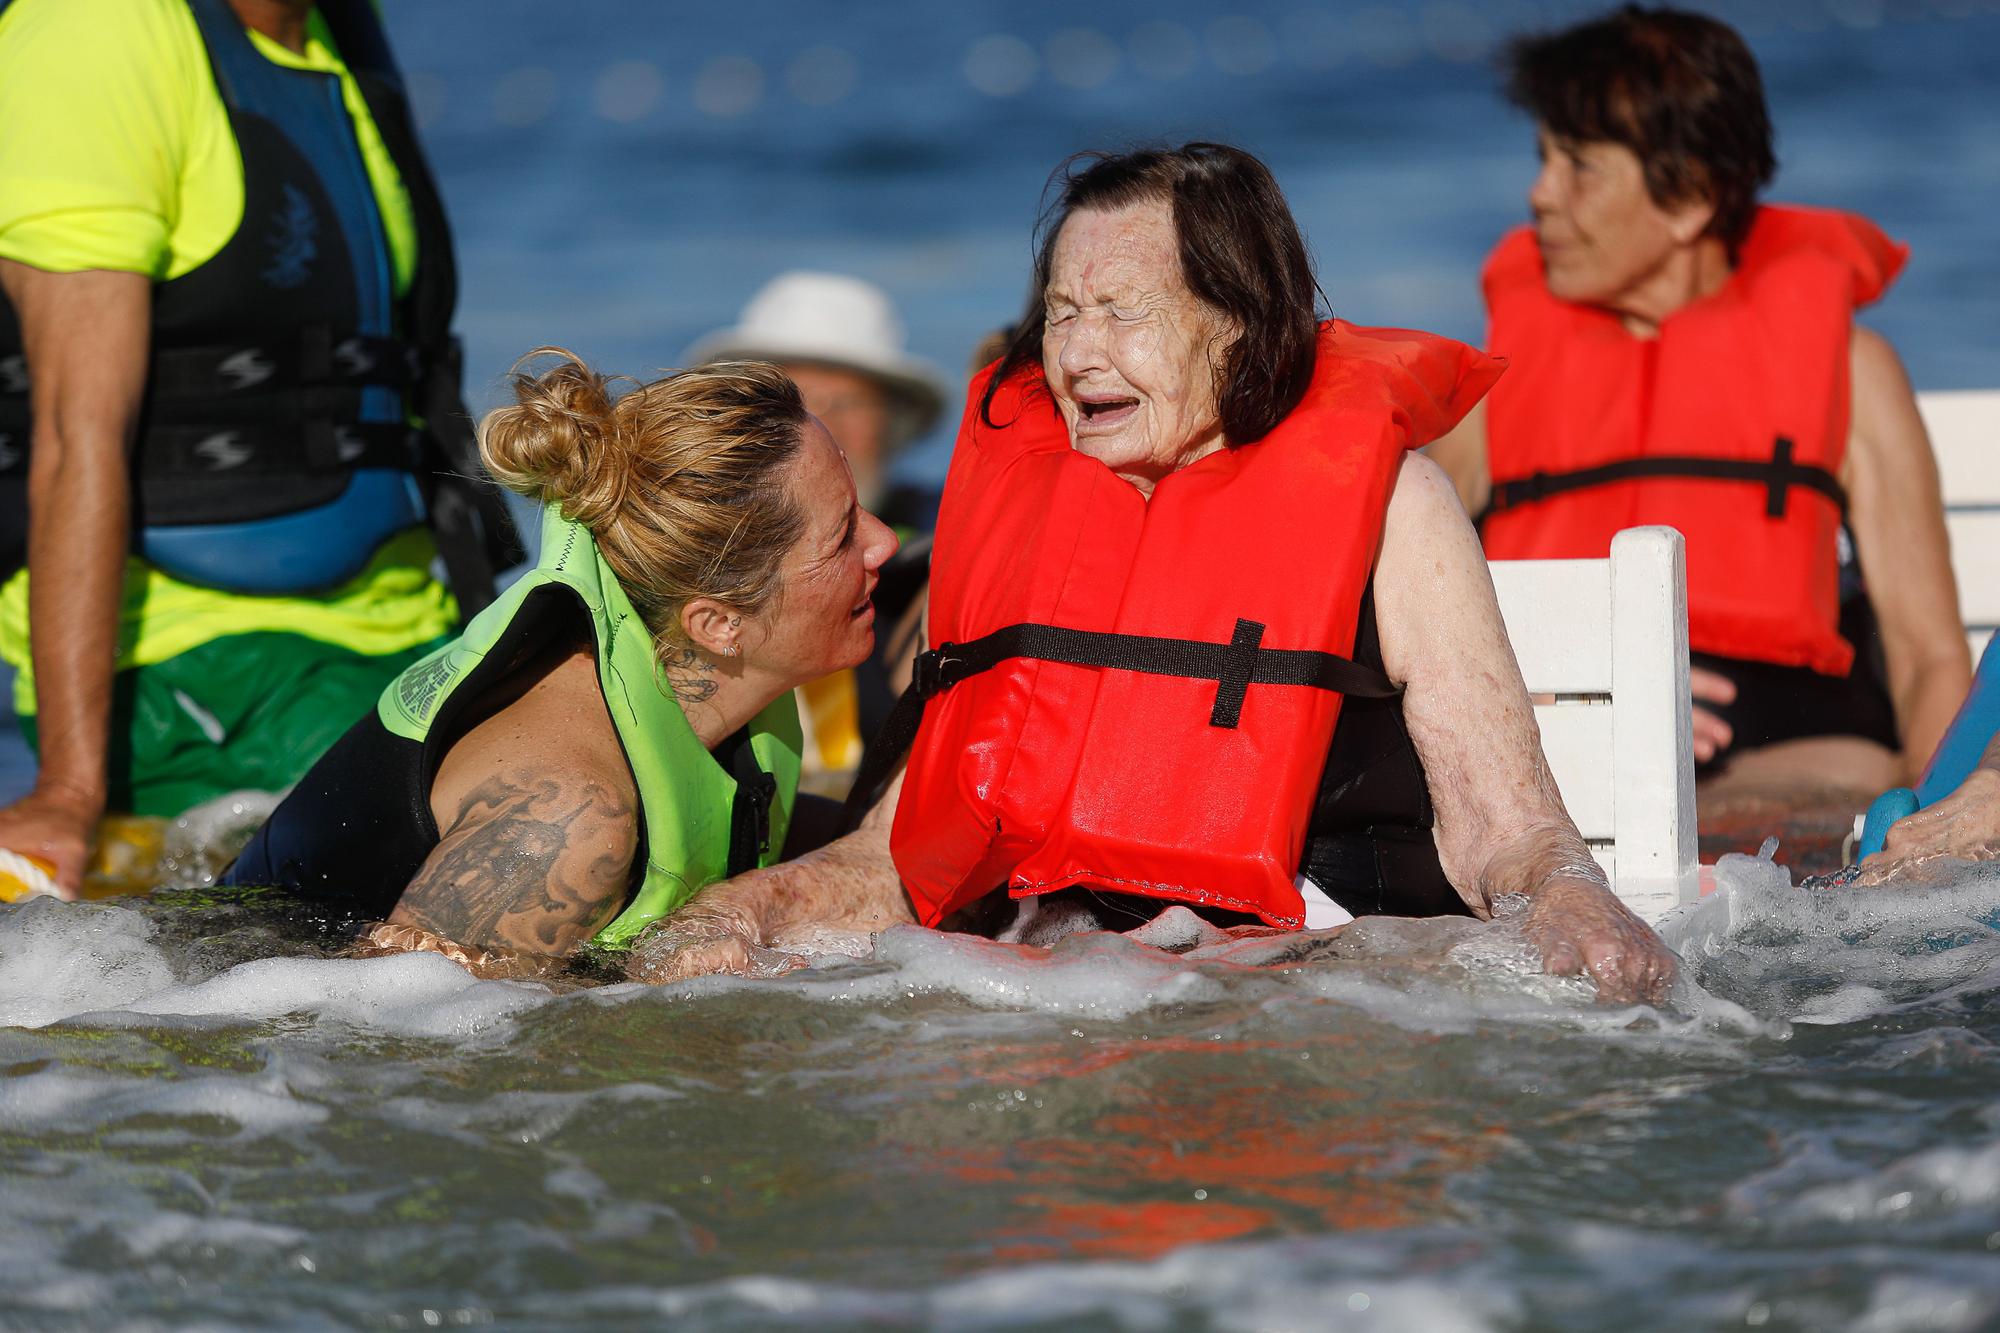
<point>1960,751</point>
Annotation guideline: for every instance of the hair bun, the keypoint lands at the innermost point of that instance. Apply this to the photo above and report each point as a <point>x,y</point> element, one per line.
<point>560,443</point>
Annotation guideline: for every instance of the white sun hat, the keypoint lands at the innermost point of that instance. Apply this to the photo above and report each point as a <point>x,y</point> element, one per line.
<point>832,319</point>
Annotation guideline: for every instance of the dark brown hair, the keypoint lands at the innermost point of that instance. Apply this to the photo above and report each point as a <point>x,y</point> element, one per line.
<point>1680,90</point>
<point>1240,253</point>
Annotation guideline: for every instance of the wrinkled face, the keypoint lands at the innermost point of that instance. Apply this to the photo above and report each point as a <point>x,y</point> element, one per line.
<point>1601,234</point>
<point>856,410</point>
<point>821,621</point>
<point>1130,353</point>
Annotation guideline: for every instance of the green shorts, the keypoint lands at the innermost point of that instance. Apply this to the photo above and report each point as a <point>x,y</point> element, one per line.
<point>247,711</point>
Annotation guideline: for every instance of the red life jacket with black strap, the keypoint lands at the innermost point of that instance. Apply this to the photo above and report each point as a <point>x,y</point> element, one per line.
<point>1141,692</point>
<point>1730,425</point>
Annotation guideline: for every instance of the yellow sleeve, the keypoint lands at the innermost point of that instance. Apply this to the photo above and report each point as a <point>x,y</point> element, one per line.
<point>96,100</point>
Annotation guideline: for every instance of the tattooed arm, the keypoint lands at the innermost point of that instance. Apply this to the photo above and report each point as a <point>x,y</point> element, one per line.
<point>538,813</point>
<point>531,865</point>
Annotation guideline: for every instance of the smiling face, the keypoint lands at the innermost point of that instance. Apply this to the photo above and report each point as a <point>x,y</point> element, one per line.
<point>821,620</point>
<point>1130,353</point>
<point>1602,236</point>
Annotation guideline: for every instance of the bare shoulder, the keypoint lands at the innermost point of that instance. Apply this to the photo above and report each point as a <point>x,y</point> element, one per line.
<point>1434,602</point>
<point>1874,364</point>
<point>1424,506</point>
<point>538,819</point>
<point>549,720</point>
<point>1461,452</point>
<point>1884,413</point>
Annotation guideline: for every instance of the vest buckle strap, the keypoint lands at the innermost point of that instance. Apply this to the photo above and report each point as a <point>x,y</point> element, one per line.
<point>1238,667</point>
<point>1777,477</point>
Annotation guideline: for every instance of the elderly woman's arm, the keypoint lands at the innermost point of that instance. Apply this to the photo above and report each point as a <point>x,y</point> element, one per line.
<point>1501,826</point>
<point>849,884</point>
<point>1897,513</point>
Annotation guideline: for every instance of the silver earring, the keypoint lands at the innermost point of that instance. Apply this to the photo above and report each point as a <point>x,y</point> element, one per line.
<point>732,650</point>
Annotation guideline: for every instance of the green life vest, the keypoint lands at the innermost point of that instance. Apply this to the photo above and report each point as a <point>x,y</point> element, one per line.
<point>686,797</point>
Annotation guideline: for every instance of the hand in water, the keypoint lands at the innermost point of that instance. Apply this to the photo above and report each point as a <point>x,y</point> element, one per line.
<point>704,938</point>
<point>58,827</point>
<point>1963,826</point>
<point>1581,928</point>
<point>1712,735</point>
<point>387,937</point>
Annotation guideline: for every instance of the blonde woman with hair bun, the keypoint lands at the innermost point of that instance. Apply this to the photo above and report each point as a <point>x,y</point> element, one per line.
<point>617,730</point>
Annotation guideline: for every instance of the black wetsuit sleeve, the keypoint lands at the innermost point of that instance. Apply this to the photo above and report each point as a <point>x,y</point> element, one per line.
<point>355,830</point>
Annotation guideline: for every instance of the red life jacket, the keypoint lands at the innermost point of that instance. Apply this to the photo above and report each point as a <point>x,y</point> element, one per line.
<point>1730,425</point>
<point>1192,778</point>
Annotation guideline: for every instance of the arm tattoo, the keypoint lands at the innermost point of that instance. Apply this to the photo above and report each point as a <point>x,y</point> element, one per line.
<point>689,671</point>
<point>525,866</point>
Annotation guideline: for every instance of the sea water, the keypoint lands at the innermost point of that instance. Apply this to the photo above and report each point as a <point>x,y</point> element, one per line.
<point>206,1119</point>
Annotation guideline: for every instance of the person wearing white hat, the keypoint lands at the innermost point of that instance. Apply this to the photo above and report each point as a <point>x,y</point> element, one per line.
<point>842,342</point>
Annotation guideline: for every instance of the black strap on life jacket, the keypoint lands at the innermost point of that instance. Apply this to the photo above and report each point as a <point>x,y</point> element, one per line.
<point>319,357</point>
<point>1778,477</point>
<point>750,812</point>
<point>1234,667</point>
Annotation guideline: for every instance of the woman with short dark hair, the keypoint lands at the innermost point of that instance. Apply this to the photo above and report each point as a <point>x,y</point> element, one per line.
<point>1205,632</point>
<point>1680,354</point>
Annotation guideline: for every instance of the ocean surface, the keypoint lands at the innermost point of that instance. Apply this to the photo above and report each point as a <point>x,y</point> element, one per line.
<point>623,174</point>
<point>204,1123</point>
<point>208,1120</point>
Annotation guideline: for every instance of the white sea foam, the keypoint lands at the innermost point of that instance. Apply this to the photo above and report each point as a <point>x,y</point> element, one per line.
<point>1840,955</point>
<point>517,1117</point>
<point>1085,976</point>
<point>61,961</point>
<point>1924,1184</point>
<point>77,1100</point>
<point>413,994</point>
<point>1334,1284</point>
<point>1906,1305</point>
<point>58,959</point>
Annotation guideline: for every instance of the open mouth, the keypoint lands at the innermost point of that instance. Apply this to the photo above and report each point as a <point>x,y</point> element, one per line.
<point>864,606</point>
<point>1105,412</point>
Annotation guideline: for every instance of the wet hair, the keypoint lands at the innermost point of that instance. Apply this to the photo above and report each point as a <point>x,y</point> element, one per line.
<point>1240,253</point>
<point>681,482</point>
<point>1680,90</point>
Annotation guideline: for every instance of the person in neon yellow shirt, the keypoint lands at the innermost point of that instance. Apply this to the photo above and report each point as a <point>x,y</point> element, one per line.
<point>225,345</point>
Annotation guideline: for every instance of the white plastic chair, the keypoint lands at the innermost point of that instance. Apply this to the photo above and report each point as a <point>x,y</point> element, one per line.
<point>1965,434</point>
<point>1608,640</point>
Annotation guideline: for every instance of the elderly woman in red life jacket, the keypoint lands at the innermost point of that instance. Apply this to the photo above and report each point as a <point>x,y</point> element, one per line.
<point>1206,632</point>
<point>1679,354</point>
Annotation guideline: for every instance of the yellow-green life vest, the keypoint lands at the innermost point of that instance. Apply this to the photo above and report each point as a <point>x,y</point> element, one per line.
<point>686,798</point>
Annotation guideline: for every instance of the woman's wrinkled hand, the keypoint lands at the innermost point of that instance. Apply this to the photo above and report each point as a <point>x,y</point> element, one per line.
<point>1964,826</point>
<point>1583,929</point>
<point>703,939</point>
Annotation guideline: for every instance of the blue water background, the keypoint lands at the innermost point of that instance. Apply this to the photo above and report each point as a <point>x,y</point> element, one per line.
<point>628,238</point>
<point>622,174</point>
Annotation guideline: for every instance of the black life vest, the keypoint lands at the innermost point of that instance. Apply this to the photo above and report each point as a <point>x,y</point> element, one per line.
<point>285,369</point>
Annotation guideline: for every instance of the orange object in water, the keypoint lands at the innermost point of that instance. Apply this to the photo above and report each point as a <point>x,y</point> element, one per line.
<point>1040,773</point>
<point>1730,425</point>
<point>24,876</point>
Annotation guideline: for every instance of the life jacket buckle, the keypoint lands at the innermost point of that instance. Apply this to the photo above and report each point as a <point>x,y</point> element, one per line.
<point>928,672</point>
